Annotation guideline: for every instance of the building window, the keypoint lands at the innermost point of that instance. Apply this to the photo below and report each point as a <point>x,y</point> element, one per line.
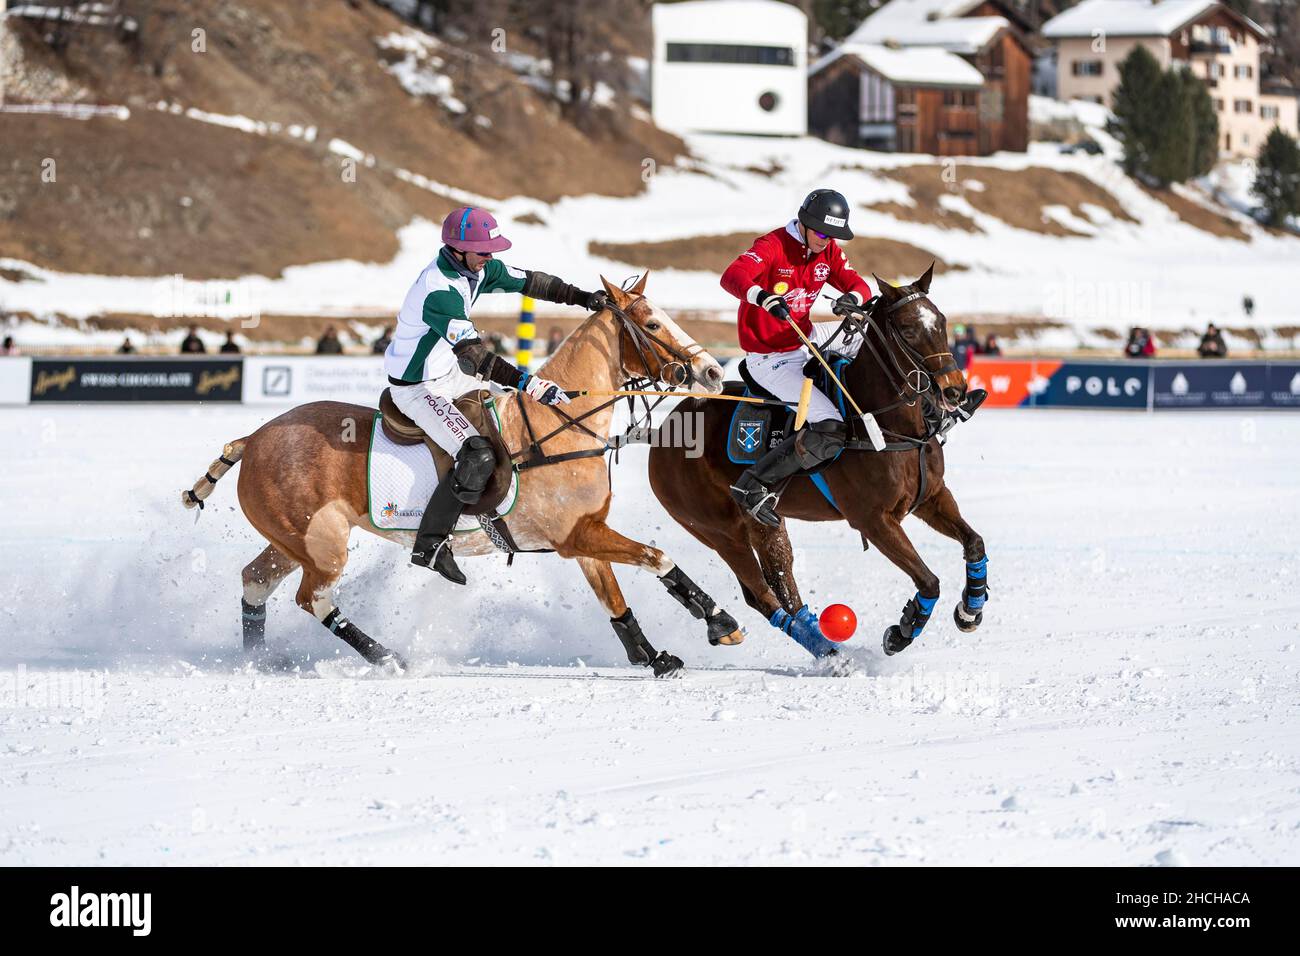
<point>1242,71</point>
<point>1086,67</point>
<point>1218,105</point>
<point>730,53</point>
<point>1214,70</point>
<point>1268,112</point>
<point>959,98</point>
<point>1243,106</point>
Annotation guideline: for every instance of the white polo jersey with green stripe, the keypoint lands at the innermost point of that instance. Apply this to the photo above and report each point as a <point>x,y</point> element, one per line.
<point>435,316</point>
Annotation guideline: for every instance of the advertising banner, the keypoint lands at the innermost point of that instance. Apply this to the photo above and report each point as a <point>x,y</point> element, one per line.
<point>295,379</point>
<point>15,380</point>
<point>136,380</point>
<point>1010,382</point>
<point>1284,384</point>
<point>1211,384</point>
<point>1099,385</point>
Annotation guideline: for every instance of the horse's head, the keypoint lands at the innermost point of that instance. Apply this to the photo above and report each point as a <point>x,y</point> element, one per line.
<point>919,331</point>
<point>653,346</point>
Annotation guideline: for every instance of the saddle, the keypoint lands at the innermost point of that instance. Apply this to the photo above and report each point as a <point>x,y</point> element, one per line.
<point>479,408</point>
<point>756,428</point>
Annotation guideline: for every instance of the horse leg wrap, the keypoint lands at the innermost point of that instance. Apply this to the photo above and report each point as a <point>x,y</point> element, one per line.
<point>354,637</point>
<point>254,625</point>
<point>975,593</point>
<point>639,650</point>
<point>805,630</point>
<point>916,614</point>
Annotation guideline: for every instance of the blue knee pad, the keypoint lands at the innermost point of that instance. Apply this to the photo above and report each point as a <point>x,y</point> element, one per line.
<point>805,630</point>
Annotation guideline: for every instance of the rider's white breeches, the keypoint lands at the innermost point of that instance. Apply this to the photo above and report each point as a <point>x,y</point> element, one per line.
<point>431,405</point>
<point>781,373</point>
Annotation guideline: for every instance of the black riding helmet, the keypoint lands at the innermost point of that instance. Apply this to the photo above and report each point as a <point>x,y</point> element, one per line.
<point>827,212</point>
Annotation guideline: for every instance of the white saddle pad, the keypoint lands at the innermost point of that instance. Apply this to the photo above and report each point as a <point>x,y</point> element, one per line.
<point>400,480</point>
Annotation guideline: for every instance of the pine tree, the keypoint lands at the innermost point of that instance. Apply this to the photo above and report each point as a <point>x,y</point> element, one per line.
<point>1134,106</point>
<point>1173,132</point>
<point>1277,178</point>
<point>1205,122</point>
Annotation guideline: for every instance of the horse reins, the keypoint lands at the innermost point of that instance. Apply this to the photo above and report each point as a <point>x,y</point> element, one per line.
<point>644,343</point>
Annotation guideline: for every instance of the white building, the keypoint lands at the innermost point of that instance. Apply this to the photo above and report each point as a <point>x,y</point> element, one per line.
<point>730,66</point>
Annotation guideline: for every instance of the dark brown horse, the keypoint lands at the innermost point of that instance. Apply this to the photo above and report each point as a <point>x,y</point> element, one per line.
<point>903,365</point>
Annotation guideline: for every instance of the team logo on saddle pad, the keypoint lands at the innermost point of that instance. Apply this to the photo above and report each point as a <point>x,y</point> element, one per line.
<point>750,434</point>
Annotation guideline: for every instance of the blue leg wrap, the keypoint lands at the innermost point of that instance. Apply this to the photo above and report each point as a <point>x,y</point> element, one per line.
<point>976,584</point>
<point>917,614</point>
<point>805,630</point>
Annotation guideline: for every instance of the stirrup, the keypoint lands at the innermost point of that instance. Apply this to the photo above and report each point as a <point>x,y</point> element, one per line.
<point>764,510</point>
<point>439,559</point>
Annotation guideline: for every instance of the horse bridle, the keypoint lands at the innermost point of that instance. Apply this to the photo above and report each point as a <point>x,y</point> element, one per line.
<point>644,343</point>
<point>878,320</point>
<point>533,456</point>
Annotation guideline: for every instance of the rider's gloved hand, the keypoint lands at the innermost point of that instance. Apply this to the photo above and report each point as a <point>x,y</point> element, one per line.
<point>847,302</point>
<point>596,300</point>
<point>545,391</point>
<point>771,302</point>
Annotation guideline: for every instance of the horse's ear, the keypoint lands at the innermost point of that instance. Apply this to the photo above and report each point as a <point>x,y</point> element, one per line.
<point>616,295</point>
<point>923,283</point>
<point>888,292</point>
<point>639,288</point>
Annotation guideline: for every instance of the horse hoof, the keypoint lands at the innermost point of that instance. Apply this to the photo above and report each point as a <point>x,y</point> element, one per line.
<point>665,664</point>
<point>894,640</point>
<point>382,657</point>
<point>723,629</point>
<point>966,622</point>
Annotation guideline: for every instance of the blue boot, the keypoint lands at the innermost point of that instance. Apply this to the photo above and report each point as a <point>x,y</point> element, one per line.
<point>805,630</point>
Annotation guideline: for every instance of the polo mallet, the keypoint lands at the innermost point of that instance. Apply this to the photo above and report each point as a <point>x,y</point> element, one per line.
<point>868,420</point>
<point>615,393</point>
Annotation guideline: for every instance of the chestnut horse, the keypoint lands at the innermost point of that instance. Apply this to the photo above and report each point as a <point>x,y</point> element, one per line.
<point>303,484</point>
<point>903,362</point>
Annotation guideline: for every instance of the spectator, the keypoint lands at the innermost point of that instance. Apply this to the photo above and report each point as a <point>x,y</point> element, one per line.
<point>966,346</point>
<point>192,344</point>
<point>553,339</point>
<point>991,346</point>
<point>127,347</point>
<point>9,348</point>
<point>230,346</point>
<point>1140,344</point>
<point>380,345</point>
<point>1248,306</point>
<point>329,343</point>
<point>1212,344</point>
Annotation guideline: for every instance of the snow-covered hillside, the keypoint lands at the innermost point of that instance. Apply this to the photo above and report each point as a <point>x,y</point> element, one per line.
<point>1102,273</point>
<point>1130,698</point>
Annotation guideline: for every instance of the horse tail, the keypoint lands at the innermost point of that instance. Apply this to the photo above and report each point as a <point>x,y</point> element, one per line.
<point>228,458</point>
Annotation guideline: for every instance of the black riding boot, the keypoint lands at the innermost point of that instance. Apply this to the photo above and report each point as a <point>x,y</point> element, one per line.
<point>753,489</point>
<point>433,540</point>
<point>461,486</point>
<point>813,445</point>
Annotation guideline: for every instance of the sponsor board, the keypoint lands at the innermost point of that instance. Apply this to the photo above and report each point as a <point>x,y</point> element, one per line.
<point>1098,385</point>
<point>136,380</point>
<point>1211,384</point>
<point>294,379</point>
<point>15,380</point>
<point>1283,384</point>
<point>1010,383</point>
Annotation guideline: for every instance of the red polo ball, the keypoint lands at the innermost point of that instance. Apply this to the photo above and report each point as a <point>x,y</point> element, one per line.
<point>838,622</point>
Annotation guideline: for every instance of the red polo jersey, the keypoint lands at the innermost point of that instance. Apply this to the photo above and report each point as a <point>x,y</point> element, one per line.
<point>779,262</point>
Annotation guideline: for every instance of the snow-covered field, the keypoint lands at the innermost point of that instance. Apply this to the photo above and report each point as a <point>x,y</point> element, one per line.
<point>1131,697</point>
